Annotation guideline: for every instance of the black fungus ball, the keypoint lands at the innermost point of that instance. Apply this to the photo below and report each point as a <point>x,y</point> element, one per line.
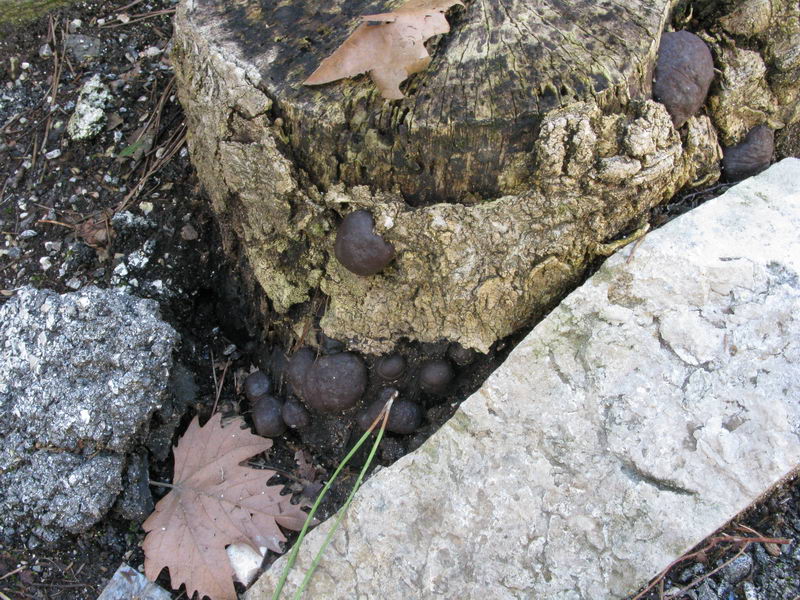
<point>751,156</point>
<point>298,368</point>
<point>460,355</point>
<point>267,417</point>
<point>295,414</point>
<point>335,383</point>
<point>435,375</point>
<point>684,72</point>
<point>405,416</point>
<point>391,367</point>
<point>359,248</point>
<point>257,384</point>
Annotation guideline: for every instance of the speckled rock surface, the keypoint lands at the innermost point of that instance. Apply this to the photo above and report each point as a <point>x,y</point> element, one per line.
<point>81,376</point>
<point>89,116</point>
<point>650,407</point>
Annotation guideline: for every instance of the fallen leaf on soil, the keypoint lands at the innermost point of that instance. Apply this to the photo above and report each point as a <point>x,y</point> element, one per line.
<point>390,46</point>
<point>215,502</point>
<point>96,230</point>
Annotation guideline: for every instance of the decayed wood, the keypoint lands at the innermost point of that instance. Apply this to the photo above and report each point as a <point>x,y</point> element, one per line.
<point>470,120</point>
<point>528,146</point>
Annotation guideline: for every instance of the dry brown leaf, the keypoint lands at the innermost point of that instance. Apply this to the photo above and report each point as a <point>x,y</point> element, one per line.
<point>215,502</point>
<point>388,46</point>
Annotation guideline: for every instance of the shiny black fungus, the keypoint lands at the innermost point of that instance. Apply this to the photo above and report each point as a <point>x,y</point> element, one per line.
<point>267,417</point>
<point>390,367</point>
<point>435,376</point>
<point>405,416</point>
<point>751,156</point>
<point>359,248</point>
<point>335,383</point>
<point>460,355</point>
<point>299,365</point>
<point>257,384</point>
<point>684,72</point>
<point>295,414</point>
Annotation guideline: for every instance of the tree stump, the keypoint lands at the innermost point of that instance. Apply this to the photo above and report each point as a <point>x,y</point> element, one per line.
<point>529,142</point>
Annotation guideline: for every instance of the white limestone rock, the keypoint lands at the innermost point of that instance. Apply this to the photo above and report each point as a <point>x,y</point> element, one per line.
<point>655,403</point>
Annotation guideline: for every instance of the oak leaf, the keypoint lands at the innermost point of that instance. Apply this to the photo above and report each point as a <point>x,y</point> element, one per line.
<point>215,502</point>
<point>389,46</point>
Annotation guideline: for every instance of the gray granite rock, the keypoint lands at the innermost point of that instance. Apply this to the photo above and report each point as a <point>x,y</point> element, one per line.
<point>81,376</point>
<point>89,116</point>
<point>654,404</point>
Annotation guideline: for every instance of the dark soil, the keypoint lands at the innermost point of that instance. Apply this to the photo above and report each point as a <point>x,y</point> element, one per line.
<point>125,210</point>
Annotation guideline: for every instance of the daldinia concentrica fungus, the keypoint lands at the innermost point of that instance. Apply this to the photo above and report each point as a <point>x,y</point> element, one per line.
<point>684,71</point>
<point>751,156</point>
<point>405,416</point>
<point>295,414</point>
<point>359,248</point>
<point>390,367</point>
<point>257,384</point>
<point>435,375</point>
<point>335,383</point>
<point>267,416</point>
<point>460,355</point>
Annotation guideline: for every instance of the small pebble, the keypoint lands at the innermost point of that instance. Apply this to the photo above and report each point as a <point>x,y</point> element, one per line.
<point>27,234</point>
<point>750,592</point>
<point>188,233</point>
<point>45,51</point>
<point>146,207</point>
<point>52,247</point>
<point>738,569</point>
<point>52,154</point>
<point>75,25</point>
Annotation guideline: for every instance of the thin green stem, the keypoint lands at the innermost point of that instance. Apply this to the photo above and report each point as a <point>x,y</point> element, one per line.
<point>342,511</point>
<point>292,558</point>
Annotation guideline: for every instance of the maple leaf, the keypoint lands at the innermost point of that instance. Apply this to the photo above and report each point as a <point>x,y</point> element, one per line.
<point>388,46</point>
<point>214,502</point>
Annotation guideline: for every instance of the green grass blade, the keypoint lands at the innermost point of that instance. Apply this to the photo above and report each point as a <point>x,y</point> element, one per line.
<point>342,512</point>
<point>292,558</point>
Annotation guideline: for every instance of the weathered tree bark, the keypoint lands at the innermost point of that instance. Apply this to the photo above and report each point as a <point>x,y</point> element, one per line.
<point>528,142</point>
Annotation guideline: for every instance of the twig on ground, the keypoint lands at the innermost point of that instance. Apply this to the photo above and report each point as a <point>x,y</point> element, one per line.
<point>702,552</point>
<point>14,572</point>
<point>221,383</point>
<point>139,18</point>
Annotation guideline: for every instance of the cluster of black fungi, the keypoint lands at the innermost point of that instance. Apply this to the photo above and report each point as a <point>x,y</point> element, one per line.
<point>335,383</point>
<point>683,75</point>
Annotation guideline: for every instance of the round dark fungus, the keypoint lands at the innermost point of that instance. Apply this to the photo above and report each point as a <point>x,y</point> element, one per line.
<point>257,384</point>
<point>267,417</point>
<point>460,355</point>
<point>683,74</point>
<point>299,365</point>
<point>751,156</point>
<point>359,248</point>
<point>405,416</point>
<point>435,375</point>
<point>295,414</point>
<point>335,383</point>
<point>391,367</point>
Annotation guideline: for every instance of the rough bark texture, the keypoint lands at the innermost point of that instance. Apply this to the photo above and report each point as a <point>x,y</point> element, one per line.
<point>529,141</point>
